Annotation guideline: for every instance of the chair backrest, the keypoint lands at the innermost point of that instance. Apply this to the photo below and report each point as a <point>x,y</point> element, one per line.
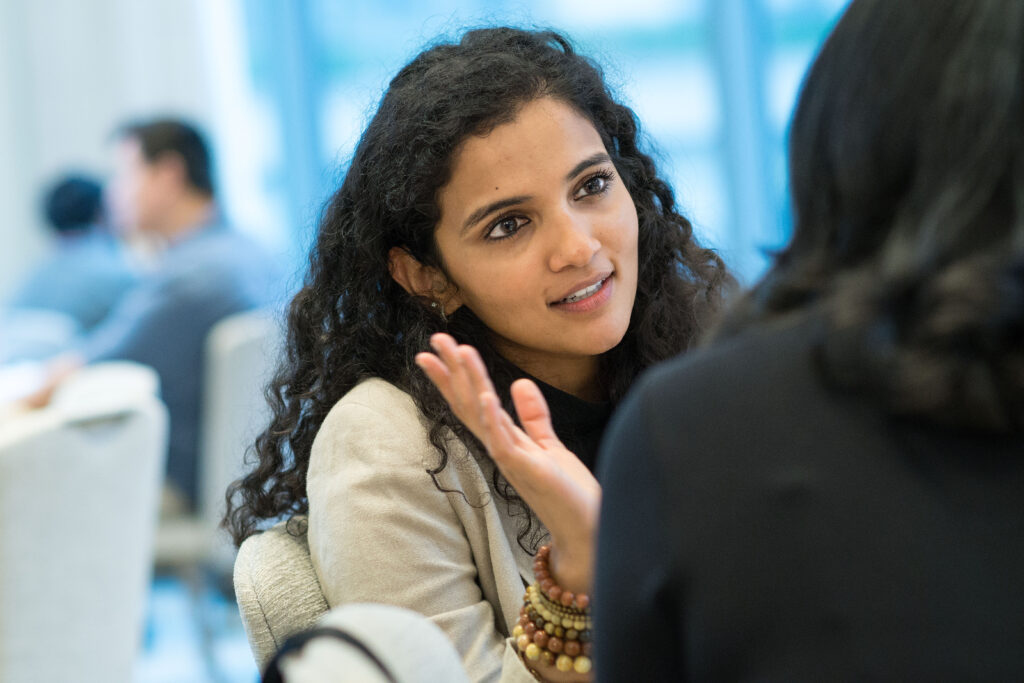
<point>79,495</point>
<point>277,588</point>
<point>240,354</point>
<point>407,647</point>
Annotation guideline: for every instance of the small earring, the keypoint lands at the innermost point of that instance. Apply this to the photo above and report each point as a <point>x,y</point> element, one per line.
<point>440,310</point>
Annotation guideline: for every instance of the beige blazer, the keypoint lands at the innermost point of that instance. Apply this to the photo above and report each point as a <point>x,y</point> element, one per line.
<point>381,531</point>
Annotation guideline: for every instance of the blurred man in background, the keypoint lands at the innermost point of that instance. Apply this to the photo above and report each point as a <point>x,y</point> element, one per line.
<point>199,271</point>
<point>87,271</point>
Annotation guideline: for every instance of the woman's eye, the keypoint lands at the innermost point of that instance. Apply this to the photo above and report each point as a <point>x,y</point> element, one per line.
<point>596,184</point>
<point>506,227</point>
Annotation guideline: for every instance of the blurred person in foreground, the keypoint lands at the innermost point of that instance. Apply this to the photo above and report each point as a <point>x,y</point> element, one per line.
<point>835,489</point>
<point>202,271</point>
<point>87,270</point>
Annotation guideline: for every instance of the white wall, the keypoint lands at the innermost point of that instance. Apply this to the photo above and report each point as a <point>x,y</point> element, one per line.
<point>70,72</point>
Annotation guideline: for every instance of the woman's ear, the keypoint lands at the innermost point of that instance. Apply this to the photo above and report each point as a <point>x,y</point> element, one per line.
<point>413,276</point>
<point>421,280</point>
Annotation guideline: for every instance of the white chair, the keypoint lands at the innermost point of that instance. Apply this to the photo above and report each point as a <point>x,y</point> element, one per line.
<point>240,354</point>
<point>407,647</point>
<point>276,587</point>
<point>279,596</point>
<point>107,383</point>
<point>79,494</point>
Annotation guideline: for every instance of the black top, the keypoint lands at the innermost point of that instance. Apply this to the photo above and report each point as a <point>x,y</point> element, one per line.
<point>756,526</point>
<point>579,424</point>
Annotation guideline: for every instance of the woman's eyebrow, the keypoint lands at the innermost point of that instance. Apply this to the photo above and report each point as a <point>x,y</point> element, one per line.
<point>592,160</point>
<point>483,211</point>
<point>479,214</point>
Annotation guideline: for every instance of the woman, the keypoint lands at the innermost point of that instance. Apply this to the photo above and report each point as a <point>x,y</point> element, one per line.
<point>835,489</point>
<point>498,195</point>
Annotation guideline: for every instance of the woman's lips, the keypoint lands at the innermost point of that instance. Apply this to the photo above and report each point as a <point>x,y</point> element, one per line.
<point>588,303</point>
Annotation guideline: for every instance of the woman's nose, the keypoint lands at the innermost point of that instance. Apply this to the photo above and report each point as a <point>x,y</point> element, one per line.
<point>575,244</point>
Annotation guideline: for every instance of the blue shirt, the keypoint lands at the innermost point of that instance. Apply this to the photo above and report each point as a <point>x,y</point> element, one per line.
<point>163,322</point>
<point>83,278</point>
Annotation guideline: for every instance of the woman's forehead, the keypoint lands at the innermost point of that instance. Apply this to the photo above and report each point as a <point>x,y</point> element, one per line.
<point>543,144</point>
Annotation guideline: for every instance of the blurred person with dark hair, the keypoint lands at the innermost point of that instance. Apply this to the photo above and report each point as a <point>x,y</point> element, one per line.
<point>88,271</point>
<point>834,490</point>
<point>202,271</point>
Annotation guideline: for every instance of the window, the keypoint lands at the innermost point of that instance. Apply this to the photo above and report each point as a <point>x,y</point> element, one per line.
<point>712,81</point>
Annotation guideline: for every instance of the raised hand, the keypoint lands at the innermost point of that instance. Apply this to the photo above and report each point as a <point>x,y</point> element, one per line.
<point>552,480</point>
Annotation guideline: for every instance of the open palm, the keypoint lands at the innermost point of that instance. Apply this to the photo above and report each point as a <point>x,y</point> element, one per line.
<point>554,483</point>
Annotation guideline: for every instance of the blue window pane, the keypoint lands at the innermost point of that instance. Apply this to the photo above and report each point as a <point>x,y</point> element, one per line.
<point>713,84</point>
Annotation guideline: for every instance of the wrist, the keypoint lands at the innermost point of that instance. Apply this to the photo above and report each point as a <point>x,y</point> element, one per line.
<point>554,629</point>
<point>571,566</point>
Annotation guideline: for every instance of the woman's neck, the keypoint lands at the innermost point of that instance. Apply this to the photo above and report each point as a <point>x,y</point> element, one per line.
<point>575,376</point>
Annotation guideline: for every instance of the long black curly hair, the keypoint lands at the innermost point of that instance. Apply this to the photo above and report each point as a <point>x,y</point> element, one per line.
<point>907,174</point>
<point>352,321</point>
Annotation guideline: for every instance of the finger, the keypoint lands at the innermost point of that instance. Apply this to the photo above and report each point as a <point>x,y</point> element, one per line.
<point>496,439</point>
<point>436,371</point>
<point>504,441</point>
<point>476,370</point>
<point>533,412</point>
<point>463,398</point>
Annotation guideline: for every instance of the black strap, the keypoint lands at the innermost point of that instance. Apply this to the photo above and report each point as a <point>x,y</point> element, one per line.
<point>272,674</point>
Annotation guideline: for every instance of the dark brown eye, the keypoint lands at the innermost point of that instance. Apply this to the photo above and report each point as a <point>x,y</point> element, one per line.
<point>595,185</point>
<point>505,227</point>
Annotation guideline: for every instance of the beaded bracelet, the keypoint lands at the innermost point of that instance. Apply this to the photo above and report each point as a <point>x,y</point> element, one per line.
<point>554,625</point>
<point>551,589</point>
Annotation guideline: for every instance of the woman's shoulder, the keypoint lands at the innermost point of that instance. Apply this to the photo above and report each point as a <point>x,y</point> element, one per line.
<point>374,403</point>
<point>376,421</point>
<point>375,393</point>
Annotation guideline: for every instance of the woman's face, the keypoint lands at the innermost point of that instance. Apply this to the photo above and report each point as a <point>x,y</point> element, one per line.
<point>539,236</point>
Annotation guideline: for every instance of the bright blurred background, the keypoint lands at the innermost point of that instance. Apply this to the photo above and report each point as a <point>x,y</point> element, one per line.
<point>283,89</point>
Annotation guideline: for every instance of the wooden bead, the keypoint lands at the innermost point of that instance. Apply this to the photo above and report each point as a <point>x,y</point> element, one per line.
<point>582,665</point>
<point>554,593</point>
<point>555,644</point>
<point>571,648</point>
<point>583,601</point>
<point>529,629</point>
<point>548,657</point>
<point>541,638</point>
<point>566,598</point>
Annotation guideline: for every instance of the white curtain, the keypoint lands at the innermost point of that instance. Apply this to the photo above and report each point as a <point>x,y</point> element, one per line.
<point>70,72</point>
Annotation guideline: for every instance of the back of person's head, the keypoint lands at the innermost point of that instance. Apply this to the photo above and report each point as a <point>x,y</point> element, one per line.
<point>907,173</point>
<point>158,138</point>
<point>73,203</point>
